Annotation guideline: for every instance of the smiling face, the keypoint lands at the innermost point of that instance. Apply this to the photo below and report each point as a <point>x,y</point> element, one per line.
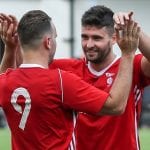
<point>96,43</point>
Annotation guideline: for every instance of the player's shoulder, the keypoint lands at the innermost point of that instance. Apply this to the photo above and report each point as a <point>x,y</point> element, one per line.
<point>137,59</point>
<point>68,74</point>
<point>67,63</point>
<point>69,60</point>
<point>8,71</point>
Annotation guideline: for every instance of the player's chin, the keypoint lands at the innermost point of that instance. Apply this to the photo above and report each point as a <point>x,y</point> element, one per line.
<point>91,55</point>
<point>89,58</point>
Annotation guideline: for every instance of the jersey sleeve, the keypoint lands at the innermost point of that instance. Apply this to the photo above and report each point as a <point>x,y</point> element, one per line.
<point>64,64</point>
<point>81,96</point>
<point>143,80</point>
<point>2,83</point>
<point>1,87</point>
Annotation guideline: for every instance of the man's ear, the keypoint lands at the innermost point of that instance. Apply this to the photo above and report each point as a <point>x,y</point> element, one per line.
<point>47,42</point>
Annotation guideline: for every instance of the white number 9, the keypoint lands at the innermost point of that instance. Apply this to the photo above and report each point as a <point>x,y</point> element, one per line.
<point>25,113</point>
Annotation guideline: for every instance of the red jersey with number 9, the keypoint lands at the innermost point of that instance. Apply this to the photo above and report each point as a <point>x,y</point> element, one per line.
<point>39,103</point>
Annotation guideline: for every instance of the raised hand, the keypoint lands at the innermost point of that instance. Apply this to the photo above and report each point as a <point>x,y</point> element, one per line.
<point>8,30</point>
<point>121,18</point>
<point>128,37</point>
<point>12,57</point>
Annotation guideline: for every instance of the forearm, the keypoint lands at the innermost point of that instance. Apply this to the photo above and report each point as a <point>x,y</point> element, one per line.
<point>144,45</point>
<point>120,89</point>
<point>8,60</point>
<point>19,56</point>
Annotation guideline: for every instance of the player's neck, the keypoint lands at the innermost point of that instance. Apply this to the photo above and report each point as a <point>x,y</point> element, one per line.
<point>100,66</point>
<point>35,58</point>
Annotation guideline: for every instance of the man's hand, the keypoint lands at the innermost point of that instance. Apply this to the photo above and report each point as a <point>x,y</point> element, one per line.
<point>128,37</point>
<point>12,57</point>
<point>8,31</point>
<point>121,18</point>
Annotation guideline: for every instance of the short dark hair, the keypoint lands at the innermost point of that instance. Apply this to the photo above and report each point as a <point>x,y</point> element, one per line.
<point>99,16</point>
<point>32,26</point>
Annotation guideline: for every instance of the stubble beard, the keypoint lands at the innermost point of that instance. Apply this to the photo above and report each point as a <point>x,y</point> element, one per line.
<point>101,56</point>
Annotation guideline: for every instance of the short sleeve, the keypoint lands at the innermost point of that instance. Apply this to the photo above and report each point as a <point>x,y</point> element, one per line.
<point>81,96</point>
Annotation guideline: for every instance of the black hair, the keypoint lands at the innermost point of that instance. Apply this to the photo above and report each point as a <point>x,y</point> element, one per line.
<point>32,26</point>
<point>99,16</point>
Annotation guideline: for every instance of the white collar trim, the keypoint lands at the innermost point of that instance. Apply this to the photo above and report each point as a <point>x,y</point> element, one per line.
<point>99,73</point>
<point>30,66</point>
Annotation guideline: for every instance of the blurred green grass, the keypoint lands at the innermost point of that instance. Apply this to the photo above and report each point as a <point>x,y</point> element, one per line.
<point>5,139</point>
<point>145,138</point>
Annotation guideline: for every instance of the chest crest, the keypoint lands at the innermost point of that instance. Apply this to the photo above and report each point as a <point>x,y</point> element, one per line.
<point>109,78</point>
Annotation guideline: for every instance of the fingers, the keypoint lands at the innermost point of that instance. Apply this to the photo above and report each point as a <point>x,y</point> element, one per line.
<point>13,18</point>
<point>130,37</point>
<point>9,18</point>
<point>124,22</point>
<point>130,14</point>
<point>8,25</point>
<point>127,32</point>
<point>122,33</point>
<point>5,20</point>
<point>5,17</point>
<point>4,30</point>
<point>15,23</point>
<point>130,26</point>
<point>9,32</point>
<point>121,18</point>
<point>131,30</point>
<point>136,30</point>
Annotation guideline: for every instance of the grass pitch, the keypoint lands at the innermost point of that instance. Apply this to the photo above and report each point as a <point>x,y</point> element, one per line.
<point>145,138</point>
<point>5,139</point>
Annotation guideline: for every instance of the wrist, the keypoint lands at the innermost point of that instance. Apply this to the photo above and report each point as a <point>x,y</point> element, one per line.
<point>129,57</point>
<point>128,54</point>
<point>11,49</point>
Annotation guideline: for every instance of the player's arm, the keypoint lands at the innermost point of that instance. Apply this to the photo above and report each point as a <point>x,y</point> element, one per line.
<point>12,53</point>
<point>144,46</point>
<point>128,42</point>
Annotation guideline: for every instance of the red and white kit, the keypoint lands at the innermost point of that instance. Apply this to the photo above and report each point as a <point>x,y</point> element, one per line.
<point>108,132</point>
<point>40,102</point>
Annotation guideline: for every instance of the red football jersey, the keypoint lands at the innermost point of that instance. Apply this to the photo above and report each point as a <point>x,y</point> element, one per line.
<point>39,103</point>
<point>108,132</point>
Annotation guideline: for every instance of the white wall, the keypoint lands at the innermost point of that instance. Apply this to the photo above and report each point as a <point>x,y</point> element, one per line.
<point>59,11</point>
<point>141,10</point>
